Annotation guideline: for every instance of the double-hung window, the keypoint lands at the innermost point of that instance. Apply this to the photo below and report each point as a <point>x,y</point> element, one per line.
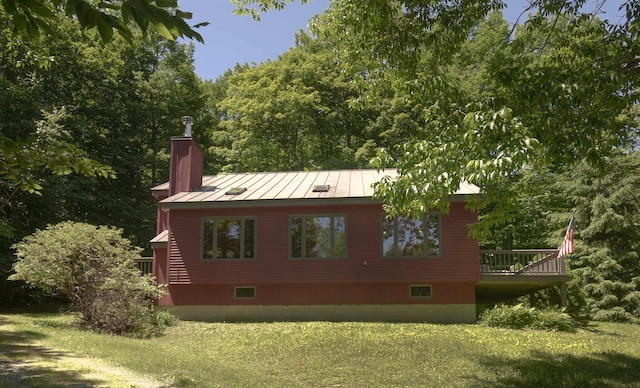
<point>228,238</point>
<point>322,237</point>
<point>412,237</point>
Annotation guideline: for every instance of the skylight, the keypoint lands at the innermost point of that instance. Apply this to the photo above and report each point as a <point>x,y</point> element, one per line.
<point>321,188</point>
<point>236,190</point>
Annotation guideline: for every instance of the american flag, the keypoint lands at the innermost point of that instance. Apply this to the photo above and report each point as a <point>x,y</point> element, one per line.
<point>567,243</point>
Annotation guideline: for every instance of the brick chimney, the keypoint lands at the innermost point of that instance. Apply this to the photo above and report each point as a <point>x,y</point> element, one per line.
<point>186,162</point>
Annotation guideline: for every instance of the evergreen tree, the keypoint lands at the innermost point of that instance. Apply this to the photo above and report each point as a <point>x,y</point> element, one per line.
<point>607,262</point>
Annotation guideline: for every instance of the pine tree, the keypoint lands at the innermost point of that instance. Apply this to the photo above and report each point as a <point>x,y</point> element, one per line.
<point>606,263</point>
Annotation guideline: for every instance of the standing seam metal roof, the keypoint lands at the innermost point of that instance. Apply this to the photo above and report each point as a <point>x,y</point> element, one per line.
<point>288,186</point>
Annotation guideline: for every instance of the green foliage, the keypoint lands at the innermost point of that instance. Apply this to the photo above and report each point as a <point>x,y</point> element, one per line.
<point>94,268</point>
<point>160,17</point>
<point>606,262</point>
<point>544,95</point>
<point>522,317</point>
<point>92,105</point>
<point>164,319</point>
<point>256,7</point>
<point>290,114</point>
<point>50,150</point>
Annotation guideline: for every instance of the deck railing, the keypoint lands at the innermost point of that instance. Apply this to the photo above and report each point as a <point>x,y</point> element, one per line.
<point>521,261</point>
<point>145,265</point>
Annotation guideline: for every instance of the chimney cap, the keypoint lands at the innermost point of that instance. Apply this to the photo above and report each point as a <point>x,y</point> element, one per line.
<point>187,121</point>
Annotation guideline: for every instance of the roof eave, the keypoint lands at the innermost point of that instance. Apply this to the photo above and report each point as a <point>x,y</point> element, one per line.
<point>169,205</point>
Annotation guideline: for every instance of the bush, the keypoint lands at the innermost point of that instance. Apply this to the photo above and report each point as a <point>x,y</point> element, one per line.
<point>94,267</point>
<point>521,317</point>
<point>164,319</point>
<point>615,314</point>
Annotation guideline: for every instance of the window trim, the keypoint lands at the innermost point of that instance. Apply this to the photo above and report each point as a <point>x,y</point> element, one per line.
<point>236,288</point>
<point>395,248</point>
<point>412,286</point>
<point>242,220</point>
<point>303,236</point>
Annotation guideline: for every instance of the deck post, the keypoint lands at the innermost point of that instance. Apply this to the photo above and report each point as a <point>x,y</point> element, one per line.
<point>563,295</point>
<point>532,299</point>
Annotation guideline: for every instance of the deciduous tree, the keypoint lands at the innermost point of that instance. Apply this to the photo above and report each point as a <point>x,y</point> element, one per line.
<point>292,113</point>
<point>557,91</point>
<point>161,17</point>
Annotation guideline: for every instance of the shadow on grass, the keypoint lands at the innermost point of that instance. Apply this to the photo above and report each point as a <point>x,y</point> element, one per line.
<point>20,360</point>
<point>541,369</point>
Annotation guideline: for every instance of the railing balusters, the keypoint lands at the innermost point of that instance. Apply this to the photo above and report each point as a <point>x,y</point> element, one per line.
<point>521,261</point>
<point>145,265</point>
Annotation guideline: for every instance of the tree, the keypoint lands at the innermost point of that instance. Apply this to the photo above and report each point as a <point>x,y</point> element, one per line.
<point>164,91</point>
<point>607,263</point>
<point>94,268</point>
<point>292,113</point>
<point>161,17</point>
<point>33,137</point>
<point>116,105</point>
<point>21,156</point>
<point>557,91</point>
<point>218,142</point>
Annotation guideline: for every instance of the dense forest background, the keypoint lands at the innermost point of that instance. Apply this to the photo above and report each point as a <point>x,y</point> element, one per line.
<point>543,120</point>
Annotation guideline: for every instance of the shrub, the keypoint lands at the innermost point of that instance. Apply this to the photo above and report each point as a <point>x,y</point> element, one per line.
<point>164,319</point>
<point>94,267</point>
<point>521,317</point>
<point>615,314</point>
<point>552,319</point>
<point>513,317</point>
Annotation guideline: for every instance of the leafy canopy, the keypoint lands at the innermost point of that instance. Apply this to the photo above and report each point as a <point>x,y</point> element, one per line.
<point>161,17</point>
<point>555,90</point>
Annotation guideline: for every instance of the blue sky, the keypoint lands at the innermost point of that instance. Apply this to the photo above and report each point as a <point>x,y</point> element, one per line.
<point>231,39</point>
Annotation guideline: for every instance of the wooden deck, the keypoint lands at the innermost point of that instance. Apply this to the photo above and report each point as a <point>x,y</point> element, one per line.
<point>507,274</point>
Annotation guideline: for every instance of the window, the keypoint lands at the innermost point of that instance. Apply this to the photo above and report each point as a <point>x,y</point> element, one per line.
<point>244,292</point>
<point>228,238</point>
<point>420,291</point>
<point>319,237</point>
<point>411,237</point>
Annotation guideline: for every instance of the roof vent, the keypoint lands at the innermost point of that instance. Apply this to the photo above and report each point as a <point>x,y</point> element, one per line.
<point>321,188</point>
<point>187,121</point>
<point>236,190</point>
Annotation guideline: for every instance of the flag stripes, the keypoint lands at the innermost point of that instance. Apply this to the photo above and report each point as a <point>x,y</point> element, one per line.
<point>567,244</point>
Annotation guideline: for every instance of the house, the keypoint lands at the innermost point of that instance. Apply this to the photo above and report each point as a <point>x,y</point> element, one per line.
<point>310,245</point>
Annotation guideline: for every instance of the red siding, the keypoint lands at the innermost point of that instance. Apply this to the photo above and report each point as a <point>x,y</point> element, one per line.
<point>162,215</point>
<point>321,294</point>
<point>160,273</point>
<point>458,264</point>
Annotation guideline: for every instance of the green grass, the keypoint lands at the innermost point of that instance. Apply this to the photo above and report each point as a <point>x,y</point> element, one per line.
<point>321,354</point>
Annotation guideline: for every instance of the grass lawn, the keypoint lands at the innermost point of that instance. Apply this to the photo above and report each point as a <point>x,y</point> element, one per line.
<point>325,354</point>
